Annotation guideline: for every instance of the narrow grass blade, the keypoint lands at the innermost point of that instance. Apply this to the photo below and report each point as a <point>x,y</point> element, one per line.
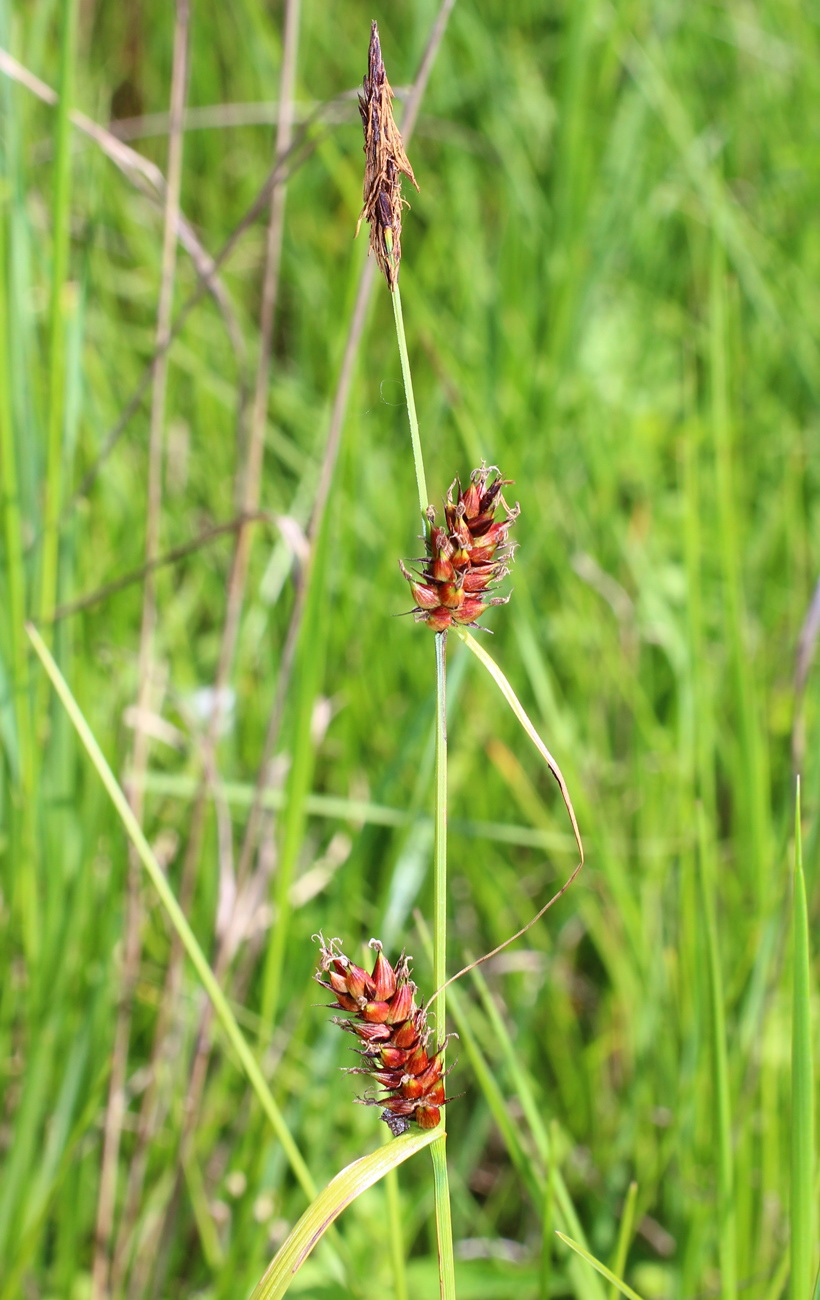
<point>328,1205</point>
<point>547,1234</point>
<point>175,915</point>
<point>518,709</point>
<point>395,1219</point>
<point>727,1224</point>
<point>752,779</point>
<point>20,741</point>
<point>57,312</point>
<point>601,1268</point>
<point>802,1212</point>
<point>625,1230</point>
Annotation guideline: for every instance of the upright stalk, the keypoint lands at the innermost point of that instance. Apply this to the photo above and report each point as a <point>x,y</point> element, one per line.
<point>415,440</point>
<point>802,1212</point>
<point>386,163</point>
<point>444,1226</point>
<point>440,853</point>
<point>438,1151</point>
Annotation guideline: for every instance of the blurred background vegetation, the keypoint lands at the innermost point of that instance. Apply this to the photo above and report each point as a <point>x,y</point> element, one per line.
<point>611,290</point>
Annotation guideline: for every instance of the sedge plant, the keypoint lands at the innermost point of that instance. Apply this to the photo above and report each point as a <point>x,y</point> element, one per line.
<point>453,585</point>
<point>633,243</point>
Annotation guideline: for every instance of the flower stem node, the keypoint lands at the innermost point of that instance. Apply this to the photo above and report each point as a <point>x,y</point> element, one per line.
<point>467,557</point>
<point>381,1011</point>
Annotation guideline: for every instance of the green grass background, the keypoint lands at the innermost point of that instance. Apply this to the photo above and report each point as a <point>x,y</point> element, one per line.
<point>610,286</point>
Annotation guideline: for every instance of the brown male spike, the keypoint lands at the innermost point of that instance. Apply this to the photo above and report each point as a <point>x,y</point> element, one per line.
<point>393,1032</point>
<point>385,163</point>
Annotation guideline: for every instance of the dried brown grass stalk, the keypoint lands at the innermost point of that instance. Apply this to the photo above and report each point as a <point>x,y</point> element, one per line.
<point>385,164</point>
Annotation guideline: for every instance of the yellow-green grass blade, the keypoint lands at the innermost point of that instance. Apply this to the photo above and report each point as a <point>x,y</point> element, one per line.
<point>176,916</point>
<point>328,1205</point>
<point>625,1231</point>
<point>599,1267</point>
<point>722,1119</point>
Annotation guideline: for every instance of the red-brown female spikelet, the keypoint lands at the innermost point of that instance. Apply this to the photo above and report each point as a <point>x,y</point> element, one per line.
<point>393,1033</point>
<point>467,557</point>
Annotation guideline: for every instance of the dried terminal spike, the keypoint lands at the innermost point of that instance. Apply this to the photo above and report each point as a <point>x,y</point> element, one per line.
<point>385,164</point>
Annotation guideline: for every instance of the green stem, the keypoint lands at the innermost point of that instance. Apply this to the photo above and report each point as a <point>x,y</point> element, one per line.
<point>444,1226</point>
<point>440,852</point>
<point>625,1234</point>
<point>802,1213</point>
<point>418,460</point>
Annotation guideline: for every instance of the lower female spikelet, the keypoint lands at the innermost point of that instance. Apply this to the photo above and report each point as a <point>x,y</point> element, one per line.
<point>381,1011</point>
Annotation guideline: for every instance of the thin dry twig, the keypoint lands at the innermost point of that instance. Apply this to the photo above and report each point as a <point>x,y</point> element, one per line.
<point>250,475</point>
<point>134,789</point>
<point>173,556</point>
<point>253,886</point>
<point>513,937</point>
<point>148,179</point>
<point>220,117</point>
<point>249,485</point>
<point>299,152</point>
<point>253,825</point>
<point>334,437</point>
